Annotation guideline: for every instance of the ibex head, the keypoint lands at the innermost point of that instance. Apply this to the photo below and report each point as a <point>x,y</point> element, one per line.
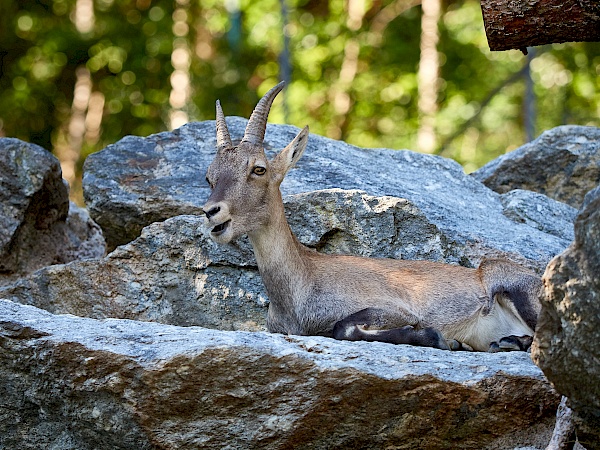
<point>245,185</point>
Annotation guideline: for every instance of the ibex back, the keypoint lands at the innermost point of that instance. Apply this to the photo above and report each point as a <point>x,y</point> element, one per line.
<point>347,297</point>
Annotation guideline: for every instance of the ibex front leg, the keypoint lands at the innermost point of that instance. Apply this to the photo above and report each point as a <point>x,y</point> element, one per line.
<point>370,325</point>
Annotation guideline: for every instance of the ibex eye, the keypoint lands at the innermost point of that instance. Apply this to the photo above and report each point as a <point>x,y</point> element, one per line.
<point>258,170</point>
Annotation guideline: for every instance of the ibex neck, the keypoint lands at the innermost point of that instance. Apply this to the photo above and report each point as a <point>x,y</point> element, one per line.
<point>284,270</point>
<point>275,246</point>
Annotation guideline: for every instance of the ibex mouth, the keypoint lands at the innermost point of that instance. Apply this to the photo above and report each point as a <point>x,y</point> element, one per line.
<point>219,229</point>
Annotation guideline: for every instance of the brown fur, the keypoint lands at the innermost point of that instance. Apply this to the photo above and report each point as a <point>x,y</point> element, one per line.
<point>310,292</point>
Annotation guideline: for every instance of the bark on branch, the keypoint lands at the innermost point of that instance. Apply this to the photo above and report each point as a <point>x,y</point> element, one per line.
<point>511,24</point>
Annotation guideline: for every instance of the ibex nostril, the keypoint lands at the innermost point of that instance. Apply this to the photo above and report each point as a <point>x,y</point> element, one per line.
<point>212,211</point>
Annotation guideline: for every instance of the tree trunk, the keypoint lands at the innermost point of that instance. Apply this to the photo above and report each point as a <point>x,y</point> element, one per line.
<point>427,76</point>
<point>180,95</point>
<point>521,24</point>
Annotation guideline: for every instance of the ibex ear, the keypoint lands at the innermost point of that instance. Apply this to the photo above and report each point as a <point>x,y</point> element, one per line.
<point>287,157</point>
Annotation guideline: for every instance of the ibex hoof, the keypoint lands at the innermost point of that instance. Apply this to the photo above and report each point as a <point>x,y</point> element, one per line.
<point>457,346</point>
<point>511,344</point>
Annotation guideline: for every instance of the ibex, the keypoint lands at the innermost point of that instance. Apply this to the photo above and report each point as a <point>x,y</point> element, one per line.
<point>493,307</point>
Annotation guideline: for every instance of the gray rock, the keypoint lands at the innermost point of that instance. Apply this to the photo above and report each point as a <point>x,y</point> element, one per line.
<point>563,163</point>
<point>566,340</point>
<point>353,222</point>
<point>33,196</point>
<point>541,212</point>
<point>37,226</point>
<point>140,180</point>
<point>170,274</point>
<point>76,383</point>
<point>83,237</point>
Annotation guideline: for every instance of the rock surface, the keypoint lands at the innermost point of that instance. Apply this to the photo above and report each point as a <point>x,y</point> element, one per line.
<point>137,181</point>
<point>37,226</point>
<point>566,341</point>
<point>77,383</point>
<point>563,163</point>
<point>541,212</point>
<point>170,274</point>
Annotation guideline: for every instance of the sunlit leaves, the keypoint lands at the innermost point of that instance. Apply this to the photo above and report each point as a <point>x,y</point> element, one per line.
<point>352,78</point>
<point>104,55</point>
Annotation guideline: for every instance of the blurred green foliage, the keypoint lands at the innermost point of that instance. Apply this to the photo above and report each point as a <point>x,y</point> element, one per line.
<point>352,82</point>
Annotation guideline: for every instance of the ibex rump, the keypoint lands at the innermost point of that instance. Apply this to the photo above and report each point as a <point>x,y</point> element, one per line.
<point>347,297</point>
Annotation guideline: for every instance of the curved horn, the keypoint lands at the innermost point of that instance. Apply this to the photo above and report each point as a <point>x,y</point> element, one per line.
<point>255,130</point>
<point>223,138</point>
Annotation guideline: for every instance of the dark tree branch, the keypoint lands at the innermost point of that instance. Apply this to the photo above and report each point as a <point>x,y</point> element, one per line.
<point>520,24</point>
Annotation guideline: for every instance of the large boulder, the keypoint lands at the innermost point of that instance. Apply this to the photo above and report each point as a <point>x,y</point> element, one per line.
<point>77,383</point>
<point>138,181</point>
<point>563,163</point>
<point>174,274</point>
<point>37,225</point>
<point>566,341</point>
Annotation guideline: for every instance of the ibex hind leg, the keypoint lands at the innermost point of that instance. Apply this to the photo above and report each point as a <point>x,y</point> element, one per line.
<point>517,291</point>
<point>520,287</point>
<point>356,328</point>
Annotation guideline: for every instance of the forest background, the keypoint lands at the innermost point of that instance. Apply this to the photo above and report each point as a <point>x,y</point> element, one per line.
<point>77,75</point>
